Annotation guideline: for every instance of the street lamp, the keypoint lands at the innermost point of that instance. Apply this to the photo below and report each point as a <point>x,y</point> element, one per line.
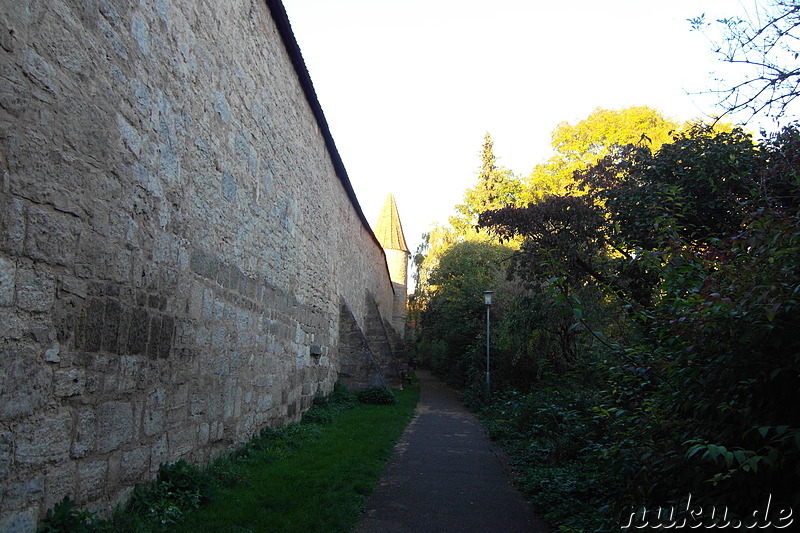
<point>487,298</point>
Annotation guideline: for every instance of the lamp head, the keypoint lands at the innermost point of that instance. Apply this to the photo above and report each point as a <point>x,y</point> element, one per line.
<point>487,297</point>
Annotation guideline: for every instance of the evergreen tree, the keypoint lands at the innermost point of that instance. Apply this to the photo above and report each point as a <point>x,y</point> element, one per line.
<point>497,187</point>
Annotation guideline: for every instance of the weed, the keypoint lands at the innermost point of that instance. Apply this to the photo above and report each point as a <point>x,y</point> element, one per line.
<point>64,517</point>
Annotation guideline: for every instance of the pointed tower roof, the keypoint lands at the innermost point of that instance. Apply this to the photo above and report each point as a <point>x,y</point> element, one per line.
<point>388,230</point>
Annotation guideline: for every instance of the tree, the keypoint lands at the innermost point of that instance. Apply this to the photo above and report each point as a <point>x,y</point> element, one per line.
<point>452,324</point>
<point>766,44</point>
<point>704,397</point>
<point>697,183</point>
<point>576,147</point>
<point>497,187</point>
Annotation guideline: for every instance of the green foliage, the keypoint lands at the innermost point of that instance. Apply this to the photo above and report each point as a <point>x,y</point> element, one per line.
<point>696,184</point>
<point>377,396</point>
<point>551,434</point>
<point>453,324</point>
<point>276,472</point>
<point>695,252</point>
<point>64,517</point>
<point>497,187</point>
<point>577,147</point>
<point>309,477</point>
<point>326,408</point>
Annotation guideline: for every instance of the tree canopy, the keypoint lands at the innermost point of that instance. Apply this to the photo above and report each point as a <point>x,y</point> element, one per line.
<point>577,146</point>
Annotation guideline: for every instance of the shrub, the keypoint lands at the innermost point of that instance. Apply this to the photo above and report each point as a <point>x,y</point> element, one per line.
<point>377,396</point>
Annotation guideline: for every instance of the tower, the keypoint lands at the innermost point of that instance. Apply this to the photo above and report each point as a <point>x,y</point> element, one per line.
<point>389,232</point>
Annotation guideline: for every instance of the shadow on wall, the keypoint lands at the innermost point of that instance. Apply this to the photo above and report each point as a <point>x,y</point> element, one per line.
<point>373,357</point>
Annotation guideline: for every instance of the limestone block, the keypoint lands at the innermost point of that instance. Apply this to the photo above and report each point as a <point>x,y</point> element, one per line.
<point>178,396</point>
<point>22,493</point>
<point>24,383</point>
<point>20,521</point>
<point>70,382</point>
<point>111,326</point>
<point>8,271</point>
<point>197,404</point>
<point>130,370</point>
<point>114,425</point>
<point>264,403</point>
<point>135,463</point>
<point>158,452</point>
<point>16,225</point>
<point>92,479</point>
<point>217,431</point>
<point>42,441</point>
<point>35,289</point>
<point>51,236</point>
<point>6,454</point>
<point>203,434</point>
<point>83,441</point>
<point>181,442</point>
<point>155,412</point>
<point>59,482</point>
<point>138,331</point>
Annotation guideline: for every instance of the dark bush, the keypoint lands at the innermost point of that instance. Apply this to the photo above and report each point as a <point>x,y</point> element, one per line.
<point>377,396</point>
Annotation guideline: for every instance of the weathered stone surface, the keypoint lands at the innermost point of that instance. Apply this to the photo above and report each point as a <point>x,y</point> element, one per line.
<point>70,382</point>
<point>181,442</point>
<point>8,271</point>
<point>154,412</point>
<point>52,236</point>
<point>92,479</point>
<point>135,464</point>
<point>83,441</point>
<point>23,384</point>
<point>59,482</point>
<point>35,289</point>
<point>20,521</point>
<point>6,454</point>
<point>173,239</point>
<point>42,441</point>
<point>114,425</point>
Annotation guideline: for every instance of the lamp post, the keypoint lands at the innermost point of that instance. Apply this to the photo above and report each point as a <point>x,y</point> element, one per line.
<point>487,298</point>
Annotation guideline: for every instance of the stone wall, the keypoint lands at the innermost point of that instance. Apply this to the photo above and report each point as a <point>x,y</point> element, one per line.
<point>397,261</point>
<point>176,231</point>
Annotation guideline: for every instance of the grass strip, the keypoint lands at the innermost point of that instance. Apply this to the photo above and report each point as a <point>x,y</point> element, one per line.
<point>316,480</point>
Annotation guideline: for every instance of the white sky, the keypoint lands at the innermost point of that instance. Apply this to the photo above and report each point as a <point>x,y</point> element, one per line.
<point>410,87</point>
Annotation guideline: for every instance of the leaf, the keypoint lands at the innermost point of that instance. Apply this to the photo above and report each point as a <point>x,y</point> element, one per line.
<point>753,463</point>
<point>740,456</point>
<point>693,450</point>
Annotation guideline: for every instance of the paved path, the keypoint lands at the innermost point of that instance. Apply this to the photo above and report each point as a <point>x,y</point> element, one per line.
<point>446,476</point>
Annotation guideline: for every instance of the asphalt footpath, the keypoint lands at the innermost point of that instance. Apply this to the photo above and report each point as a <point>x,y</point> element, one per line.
<point>446,476</point>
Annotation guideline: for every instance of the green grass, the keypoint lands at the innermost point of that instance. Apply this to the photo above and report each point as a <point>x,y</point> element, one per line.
<point>315,475</point>
<point>308,477</point>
